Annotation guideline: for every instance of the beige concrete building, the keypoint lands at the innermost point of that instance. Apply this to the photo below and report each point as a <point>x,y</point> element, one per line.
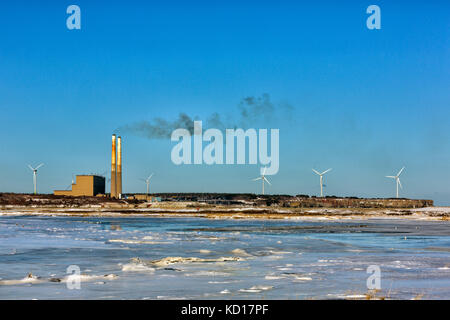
<point>86,185</point>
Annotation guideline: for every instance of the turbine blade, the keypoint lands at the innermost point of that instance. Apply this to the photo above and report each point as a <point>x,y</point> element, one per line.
<point>259,178</point>
<point>264,171</point>
<point>400,171</point>
<point>325,171</point>
<point>390,177</point>
<point>399,183</point>
<point>316,171</point>
<point>150,176</point>
<point>39,166</point>
<point>31,168</point>
<point>267,180</point>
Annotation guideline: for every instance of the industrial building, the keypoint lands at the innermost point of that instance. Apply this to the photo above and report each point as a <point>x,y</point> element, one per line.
<point>86,185</point>
<point>92,185</point>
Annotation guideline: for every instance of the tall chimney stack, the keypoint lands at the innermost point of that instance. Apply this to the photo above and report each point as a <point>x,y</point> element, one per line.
<point>119,167</point>
<point>113,168</point>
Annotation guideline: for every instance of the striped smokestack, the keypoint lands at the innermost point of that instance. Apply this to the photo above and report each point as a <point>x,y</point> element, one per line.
<point>119,167</point>
<point>113,168</point>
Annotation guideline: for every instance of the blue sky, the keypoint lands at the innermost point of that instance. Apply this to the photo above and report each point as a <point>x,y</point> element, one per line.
<point>366,102</point>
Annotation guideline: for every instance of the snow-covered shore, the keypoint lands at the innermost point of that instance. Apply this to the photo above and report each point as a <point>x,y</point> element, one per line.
<point>225,212</point>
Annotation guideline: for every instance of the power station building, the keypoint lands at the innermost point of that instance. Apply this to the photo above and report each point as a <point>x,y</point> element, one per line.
<point>92,185</point>
<point>86,185</point>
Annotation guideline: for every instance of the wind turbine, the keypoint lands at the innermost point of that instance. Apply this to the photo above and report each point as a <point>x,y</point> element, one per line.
<point>35,175</point>
<point>397,179</point>
<point>70,185</point>
<point>321,179</point>
<point>147,181</point>
<point>263,178</point>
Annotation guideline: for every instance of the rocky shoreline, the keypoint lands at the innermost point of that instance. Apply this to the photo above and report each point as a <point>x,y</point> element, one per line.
<point>241,207</point>
<point>227,212</point>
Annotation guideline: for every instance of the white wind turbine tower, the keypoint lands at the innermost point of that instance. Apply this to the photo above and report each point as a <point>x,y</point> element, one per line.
<point>70,185</point>
<point>321,179</point>
<point>147,181</point>
<point>397,179</point>
<point>263,178</point>
<point>35,175</point>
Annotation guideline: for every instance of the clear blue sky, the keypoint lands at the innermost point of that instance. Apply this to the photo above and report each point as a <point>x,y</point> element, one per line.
<point>366,102</point>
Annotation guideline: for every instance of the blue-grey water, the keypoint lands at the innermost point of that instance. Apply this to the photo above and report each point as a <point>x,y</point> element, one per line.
<point>275,259</point>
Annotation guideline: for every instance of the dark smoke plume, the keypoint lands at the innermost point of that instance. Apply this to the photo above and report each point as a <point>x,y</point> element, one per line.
<point>252,111</point>
<point>159,128</point>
